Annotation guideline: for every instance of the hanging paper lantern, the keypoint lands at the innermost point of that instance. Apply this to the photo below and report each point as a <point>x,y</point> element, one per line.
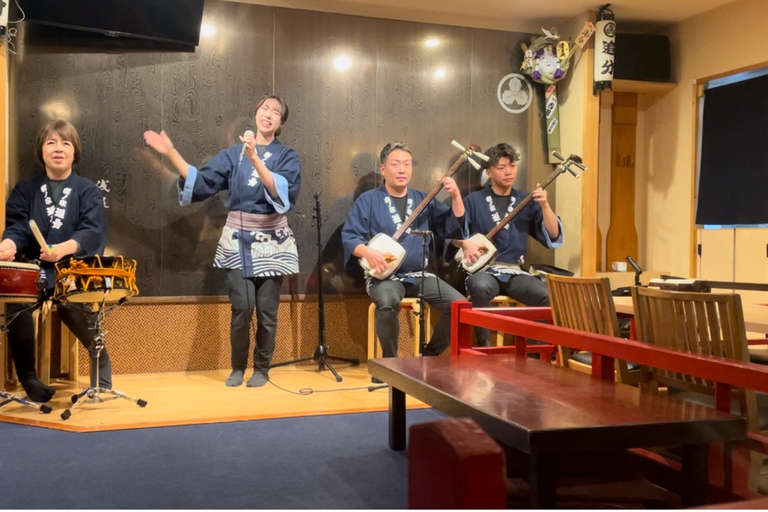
<point>605,49</point>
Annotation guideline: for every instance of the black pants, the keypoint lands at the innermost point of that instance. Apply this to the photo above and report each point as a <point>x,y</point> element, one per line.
<point>263,293</point>
<point>387,296</point>
<point>482,287</point>
<point>21,340</point>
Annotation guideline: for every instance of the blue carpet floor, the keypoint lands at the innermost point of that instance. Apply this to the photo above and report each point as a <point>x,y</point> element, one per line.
<point>321,462</point>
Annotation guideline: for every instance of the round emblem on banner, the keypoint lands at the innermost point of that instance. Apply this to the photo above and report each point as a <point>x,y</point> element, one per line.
<point>610,29</point>
<point>515,93</point>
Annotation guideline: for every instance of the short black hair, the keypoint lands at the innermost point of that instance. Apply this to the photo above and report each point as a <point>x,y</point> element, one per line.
<point>499,151</point>
<point>390,147</point>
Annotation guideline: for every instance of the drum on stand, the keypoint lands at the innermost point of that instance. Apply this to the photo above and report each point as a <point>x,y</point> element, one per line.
<point>95,279</point>
<point>19,282</point>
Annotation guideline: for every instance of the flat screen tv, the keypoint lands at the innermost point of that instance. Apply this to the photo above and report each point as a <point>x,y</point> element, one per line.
<point>173,23</point>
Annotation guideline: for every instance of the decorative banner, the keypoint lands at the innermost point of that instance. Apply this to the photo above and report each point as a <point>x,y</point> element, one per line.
<point>546,62</point>
<point>548,58</point>
<point>605,49</point>
<point>585,34</point>
<point>552,111</point>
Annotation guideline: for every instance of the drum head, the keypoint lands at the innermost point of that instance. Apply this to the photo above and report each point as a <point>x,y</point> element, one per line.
<point>17,298</point>
<point>17,265</point>
<point>97,296</point>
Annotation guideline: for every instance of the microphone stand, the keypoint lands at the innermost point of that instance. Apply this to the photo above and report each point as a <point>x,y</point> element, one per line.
<point>636,268</point>
<point>321,352</point>
<point>422,329</point>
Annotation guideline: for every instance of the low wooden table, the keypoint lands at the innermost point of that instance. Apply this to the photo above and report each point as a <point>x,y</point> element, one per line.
<point>544,410</point>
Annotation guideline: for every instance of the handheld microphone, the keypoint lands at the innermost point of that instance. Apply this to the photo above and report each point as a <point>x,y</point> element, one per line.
<point>245,146</point>
<point>425,233</point>
<point>634,265</point>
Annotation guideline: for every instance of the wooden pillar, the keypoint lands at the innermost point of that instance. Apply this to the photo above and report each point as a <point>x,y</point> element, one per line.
<point>590,234</point>
<point>622,234</point>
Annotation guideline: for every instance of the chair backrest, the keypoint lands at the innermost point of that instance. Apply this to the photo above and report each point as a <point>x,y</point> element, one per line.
<point>696,323</point>
<point>585,304</point>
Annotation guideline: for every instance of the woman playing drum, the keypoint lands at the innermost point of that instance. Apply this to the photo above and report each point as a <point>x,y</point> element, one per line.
<point>69,211</point>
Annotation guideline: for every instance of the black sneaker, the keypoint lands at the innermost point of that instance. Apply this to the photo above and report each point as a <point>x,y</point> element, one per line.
<point>376,381</point>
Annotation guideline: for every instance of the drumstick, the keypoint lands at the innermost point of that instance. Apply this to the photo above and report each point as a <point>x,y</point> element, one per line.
<point>39,235</point>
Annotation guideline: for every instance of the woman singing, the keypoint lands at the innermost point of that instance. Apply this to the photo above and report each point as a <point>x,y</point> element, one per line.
<point>256,247</point>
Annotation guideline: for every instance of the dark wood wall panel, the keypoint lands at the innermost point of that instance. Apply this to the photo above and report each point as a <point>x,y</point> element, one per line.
<point>325,66</point>
<point>106,96</point>
<point>494,52</point>
<point>414,104</point>
<point>339,120</point>
<point>208,101</point>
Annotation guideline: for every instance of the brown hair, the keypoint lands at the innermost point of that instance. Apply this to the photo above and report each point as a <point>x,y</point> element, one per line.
<point>283,109</point>
<point>63,129</point>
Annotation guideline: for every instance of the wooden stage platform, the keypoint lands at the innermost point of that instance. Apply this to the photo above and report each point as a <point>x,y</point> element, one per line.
<point>187,398</point>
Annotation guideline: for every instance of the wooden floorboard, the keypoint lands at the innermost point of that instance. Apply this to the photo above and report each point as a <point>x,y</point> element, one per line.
<point>188,398</point>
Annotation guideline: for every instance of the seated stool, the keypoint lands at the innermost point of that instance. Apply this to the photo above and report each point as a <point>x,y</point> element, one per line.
<point>48,326</point>
<point>42,353</point>
<point>43,345</point>
<point>502,301</point>
<point>406,303</point>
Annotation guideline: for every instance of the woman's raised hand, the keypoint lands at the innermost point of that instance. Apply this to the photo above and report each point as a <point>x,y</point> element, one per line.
<point>158,141</point>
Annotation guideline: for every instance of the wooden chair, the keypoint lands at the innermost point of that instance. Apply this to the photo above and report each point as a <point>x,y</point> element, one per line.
<point>406,303</point>
<point>695,323</point>
<point>698,323</point>
<point>586,304</point>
